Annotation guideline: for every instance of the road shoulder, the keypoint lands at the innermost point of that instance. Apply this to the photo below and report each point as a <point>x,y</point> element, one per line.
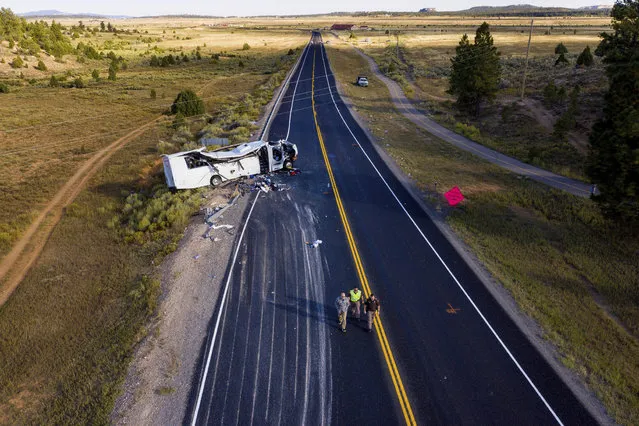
<point>161,375</point>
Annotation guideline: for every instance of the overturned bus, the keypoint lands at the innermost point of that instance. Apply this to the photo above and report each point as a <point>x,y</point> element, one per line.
<point>193,169</point>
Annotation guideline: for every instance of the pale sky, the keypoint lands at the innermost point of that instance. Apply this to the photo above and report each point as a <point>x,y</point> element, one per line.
<point>257,7</point>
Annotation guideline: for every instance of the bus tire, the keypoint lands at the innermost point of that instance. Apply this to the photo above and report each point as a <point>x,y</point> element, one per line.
<point>288,164</point>
<point>216,181</point>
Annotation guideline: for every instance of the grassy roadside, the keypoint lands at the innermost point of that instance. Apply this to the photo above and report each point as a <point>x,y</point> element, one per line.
<point>566,267</point>
<point>524,130</point>
<point>68,331</point>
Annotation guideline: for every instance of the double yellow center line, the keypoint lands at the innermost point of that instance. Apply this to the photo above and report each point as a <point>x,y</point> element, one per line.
<point>381,334</point>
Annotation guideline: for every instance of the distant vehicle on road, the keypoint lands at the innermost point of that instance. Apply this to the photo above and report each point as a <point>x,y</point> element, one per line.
<point>197,168</point>
<point>362,81</point>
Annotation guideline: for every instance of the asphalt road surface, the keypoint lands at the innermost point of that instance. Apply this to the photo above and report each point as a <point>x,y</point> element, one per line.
<point>444,351</point>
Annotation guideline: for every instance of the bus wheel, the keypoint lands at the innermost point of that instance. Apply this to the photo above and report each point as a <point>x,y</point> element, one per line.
<point>216,180</point>
<point>288,164</point>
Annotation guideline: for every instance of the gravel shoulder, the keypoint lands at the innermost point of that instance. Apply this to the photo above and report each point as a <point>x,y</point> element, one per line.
<point>161,375</point>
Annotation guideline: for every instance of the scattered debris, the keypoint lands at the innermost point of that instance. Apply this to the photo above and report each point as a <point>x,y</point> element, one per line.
<point>196,257</point>
<point>220,226</point>
<point>314,244</point>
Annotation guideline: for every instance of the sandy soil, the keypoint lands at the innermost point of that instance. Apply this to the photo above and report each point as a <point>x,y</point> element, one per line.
<point>161,376</point>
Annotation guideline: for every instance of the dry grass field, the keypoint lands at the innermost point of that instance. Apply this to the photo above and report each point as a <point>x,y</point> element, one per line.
<point>67,332</point>
<point>524,130</point>
<point>582,283</point>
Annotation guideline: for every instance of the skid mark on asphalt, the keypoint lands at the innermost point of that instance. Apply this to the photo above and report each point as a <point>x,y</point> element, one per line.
<point>275,337</point>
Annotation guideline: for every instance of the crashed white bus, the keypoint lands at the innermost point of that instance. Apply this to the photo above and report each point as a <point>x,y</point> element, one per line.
<point>197,168</point>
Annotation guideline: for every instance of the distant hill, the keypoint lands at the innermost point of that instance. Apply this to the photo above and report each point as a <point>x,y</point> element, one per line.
<point>532,10</point>
<point>59,14</point>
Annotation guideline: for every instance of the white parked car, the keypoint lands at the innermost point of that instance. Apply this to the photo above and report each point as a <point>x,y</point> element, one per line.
<point>362,81</point>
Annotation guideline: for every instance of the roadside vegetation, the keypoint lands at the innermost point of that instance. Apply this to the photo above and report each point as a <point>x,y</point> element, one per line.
<point>581,283</point>
<point>543,129</point>
<point>68,331</point>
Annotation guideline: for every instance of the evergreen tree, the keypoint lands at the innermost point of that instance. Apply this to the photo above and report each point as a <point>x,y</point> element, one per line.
<point>54,82</point>
<point>613,158</point>
<point>585,58</point>
<point>561,60</point>
<point>561,49</point>
<point>113,71</point>
<point>188,104</point>
<point>96,75</point>
<point>475,70</point>
<point>102,26</point>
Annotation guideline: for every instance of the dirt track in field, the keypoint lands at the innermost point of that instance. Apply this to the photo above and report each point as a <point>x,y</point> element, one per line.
<point>26,250</point>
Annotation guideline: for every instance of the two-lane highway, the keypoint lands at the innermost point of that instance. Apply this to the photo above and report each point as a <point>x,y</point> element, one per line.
<point>275,355</point>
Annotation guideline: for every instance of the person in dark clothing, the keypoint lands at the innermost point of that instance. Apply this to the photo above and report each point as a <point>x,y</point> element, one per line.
<point>371,308</point>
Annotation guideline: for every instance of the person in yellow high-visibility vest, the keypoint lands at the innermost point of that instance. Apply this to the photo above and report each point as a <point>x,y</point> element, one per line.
<point>356,301</point>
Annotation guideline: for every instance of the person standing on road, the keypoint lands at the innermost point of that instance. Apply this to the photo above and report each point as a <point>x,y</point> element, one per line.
<point>342,303</point>
<point>371,308</point>
<point>356,301</point>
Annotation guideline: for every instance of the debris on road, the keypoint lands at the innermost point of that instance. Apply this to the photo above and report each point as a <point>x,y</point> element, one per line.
<point>314,244</point>
<point>220,226</point>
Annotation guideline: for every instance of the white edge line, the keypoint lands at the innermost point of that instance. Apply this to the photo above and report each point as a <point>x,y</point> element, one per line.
<point>237,249</point>
<point>219,315</point>
<point>512,357</point>
<point>279,97</point>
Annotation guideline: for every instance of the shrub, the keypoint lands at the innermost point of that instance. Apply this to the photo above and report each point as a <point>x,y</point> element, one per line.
<point>113,72</point>
<point>78,83</point>
<point>188,104</point>
<point>585,58</point>
<point>290,52</point>
<point>148,217</point>
<point>561,60</point>
<point>96,75</point>
<point>468,130</point>
<point>4,88</point>
<point>246,46</point>
<point>153,94</point>
<point>41,66</point>
<point>240,64</point>
<point>54,82</point>
<point>561,49</point>
<point>17,62</point>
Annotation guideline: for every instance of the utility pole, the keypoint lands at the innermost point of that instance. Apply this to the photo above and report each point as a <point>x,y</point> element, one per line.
<point>397,43</point>
<point>523,83</point>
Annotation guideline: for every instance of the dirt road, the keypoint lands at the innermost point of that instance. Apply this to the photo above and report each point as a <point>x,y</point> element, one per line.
<point>26,250</point>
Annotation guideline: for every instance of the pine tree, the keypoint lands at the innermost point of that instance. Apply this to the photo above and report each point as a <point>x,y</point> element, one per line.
<point>561,49</point>
<point>188,104</point>
<point>613,158</point>
<point>475,70</point>
<point>585,58</point>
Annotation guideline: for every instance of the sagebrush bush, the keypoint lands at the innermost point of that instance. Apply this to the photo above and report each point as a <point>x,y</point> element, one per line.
<point>148,217</point>
<point>468,130</point>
